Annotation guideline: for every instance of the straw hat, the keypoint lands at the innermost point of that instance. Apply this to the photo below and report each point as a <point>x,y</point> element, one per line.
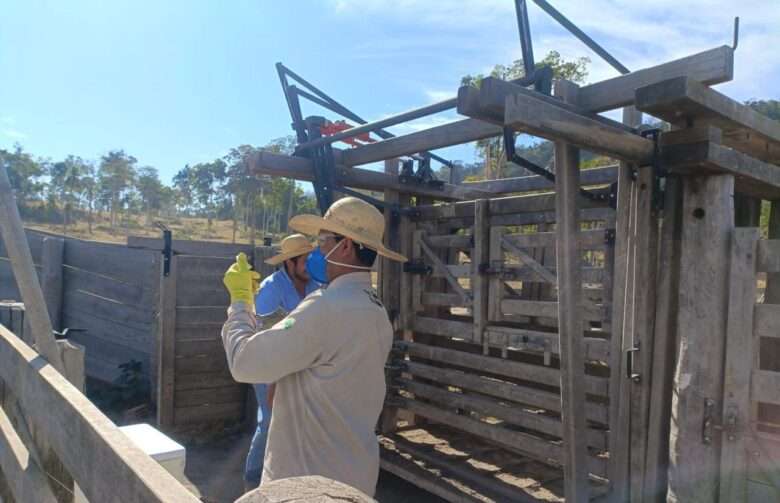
<point>352,218</point>
<point>293,246</point>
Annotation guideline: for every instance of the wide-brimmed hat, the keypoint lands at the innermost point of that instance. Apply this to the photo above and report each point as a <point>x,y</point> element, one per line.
<point>293,246</point>
<point>352,218</point>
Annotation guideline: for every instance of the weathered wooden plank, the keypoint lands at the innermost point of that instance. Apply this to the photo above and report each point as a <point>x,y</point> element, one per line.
<point>739,360</point>
<point>708,220</point>
<point>586,240</point>
<point>85,303</point>
<point>200,363</point>
<point>768,256</point>
<point>8,288</point>
<point>104,330</point>
<point>488,407</point>
<point>211,396</point>
<point>664,341</point>
<point>683,100</point>
<point>596,176</point>
<point>767,320</point>
<point>442,268</point>
<point>523,443</point>
<point>619,404</point>
<point>199,414</point>
<point>710,67</point>
<point>541,272</point>
<point>189,247</point>
<point>548,217</point>
<point>479,281</point>
<point>547,120</point>
<point>461,242</point>
<point>590,312</point>
<point>300,168</point>
<point>200,293</point>
<point>443,299</point>
<point>203,380</point>
<point>114,261</point>
<point>534,340</point>
<point>166,346</point>
<point>73,425</point>
<point>135,294</point>
<point>188,316</point>
<point>502,367</point>
<point>765,387</point>
<point>569,281</point>
<point>445,328</point>
<point>51,278</point>
<point>753,177</point>
<point>508,391</point>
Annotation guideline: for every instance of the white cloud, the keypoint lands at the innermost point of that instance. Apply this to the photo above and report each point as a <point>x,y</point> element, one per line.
<point>476,34</point>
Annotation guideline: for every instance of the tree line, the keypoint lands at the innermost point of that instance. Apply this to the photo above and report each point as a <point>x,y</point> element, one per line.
<point>76,189</point>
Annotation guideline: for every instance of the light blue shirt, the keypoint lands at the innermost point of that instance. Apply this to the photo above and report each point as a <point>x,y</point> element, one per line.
<point>277,291</point>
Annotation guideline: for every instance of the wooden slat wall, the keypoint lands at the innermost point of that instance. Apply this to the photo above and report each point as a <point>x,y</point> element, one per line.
<point>507,374</point>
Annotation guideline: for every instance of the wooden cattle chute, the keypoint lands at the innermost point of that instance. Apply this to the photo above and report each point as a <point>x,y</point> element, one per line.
<point>539,328</point>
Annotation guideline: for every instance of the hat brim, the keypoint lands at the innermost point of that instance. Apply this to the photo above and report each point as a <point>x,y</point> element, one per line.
<point>312,225</point>
<point>278,259</point>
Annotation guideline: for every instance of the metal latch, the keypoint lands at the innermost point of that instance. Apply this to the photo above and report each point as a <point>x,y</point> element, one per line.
<point>630,374</point>
<point>417,267</point>
<point>709,425</point>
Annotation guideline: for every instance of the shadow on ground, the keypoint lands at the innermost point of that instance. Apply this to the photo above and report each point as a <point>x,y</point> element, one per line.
<point>215,473</point>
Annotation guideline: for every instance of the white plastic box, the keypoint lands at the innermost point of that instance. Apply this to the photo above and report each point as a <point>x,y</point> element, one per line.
<point>170,454</point>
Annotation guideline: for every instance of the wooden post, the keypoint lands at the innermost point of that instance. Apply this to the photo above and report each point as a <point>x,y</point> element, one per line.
<point>24,272</point>
<point>53,249</point>
<point>769,352</point>
<point>664,343</point>
<point>570,328</point>
<point>166,343</point>
<point>707,225</point>
<point>739,364</point>
<point>622,304</point>
<point>479,284</point>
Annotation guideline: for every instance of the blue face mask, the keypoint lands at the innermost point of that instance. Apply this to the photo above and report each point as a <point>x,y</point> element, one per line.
<point>317,266</point>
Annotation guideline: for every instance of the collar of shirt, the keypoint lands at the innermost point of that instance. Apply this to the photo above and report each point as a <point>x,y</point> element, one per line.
<point>362,279</point>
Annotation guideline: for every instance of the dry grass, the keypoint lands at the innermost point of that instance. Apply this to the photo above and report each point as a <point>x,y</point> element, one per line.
<point>182,227</point>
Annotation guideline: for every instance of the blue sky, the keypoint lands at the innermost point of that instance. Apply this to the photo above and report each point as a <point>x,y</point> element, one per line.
<point>182,82</point>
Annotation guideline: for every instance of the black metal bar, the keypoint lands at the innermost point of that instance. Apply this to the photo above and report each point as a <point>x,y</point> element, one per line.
<point>335,106</point>
<point>584,38</point>
<point>526,45</point>
<point>167,252</point>
<point>382,123</point>
<point>314,99</point>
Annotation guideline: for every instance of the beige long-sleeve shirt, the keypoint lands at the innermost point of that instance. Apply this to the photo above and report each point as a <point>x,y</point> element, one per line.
<point>327,358</point>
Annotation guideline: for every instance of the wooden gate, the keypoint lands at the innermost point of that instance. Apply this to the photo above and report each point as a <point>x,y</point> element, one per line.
<point>748,425</point>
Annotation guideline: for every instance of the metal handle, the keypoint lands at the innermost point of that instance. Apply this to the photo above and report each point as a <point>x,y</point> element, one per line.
<point>630,374</point>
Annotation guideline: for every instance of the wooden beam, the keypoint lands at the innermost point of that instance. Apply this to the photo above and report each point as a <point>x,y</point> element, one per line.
<point>707,226</point>
<point>51,281</point>
<point>166,347</point>
<point>751,176</point>
<point>103,461</point>
<point>26,277</point>
<point>488,102</point>
<point>548,120</point>
<point>711,67</point>
<point>300,168</point>
<point>24,475</point>
<point>570,324</point>
<point>596,176</point>
<point>683,100</point>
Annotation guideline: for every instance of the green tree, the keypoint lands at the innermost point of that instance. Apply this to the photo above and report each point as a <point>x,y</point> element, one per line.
<point>491,150</point>
<point>150,191</point>
<point>65,179</point>
<point>25,174</point>
<point>116,176</point>
<point>206,181</point>
<point>182,184</point>
<point>770,108</point>
<point>89,191</point>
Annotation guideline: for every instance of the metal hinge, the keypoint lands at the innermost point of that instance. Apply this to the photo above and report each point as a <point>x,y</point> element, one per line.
<point>630,374</point>
<point>709,426</point>
<point>417,267</point>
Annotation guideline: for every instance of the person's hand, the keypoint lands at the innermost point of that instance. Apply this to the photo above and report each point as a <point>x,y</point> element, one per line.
<point>241,281</point>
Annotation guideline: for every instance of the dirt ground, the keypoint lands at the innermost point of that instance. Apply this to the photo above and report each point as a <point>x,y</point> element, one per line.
<point>215,473</point>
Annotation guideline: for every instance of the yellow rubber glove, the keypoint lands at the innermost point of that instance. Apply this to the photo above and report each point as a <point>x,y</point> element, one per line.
<point>241,281</point>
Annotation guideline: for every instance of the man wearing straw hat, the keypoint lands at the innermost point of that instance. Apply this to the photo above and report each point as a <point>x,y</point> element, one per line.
<point>280,293</point>
<point>327,357</point>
